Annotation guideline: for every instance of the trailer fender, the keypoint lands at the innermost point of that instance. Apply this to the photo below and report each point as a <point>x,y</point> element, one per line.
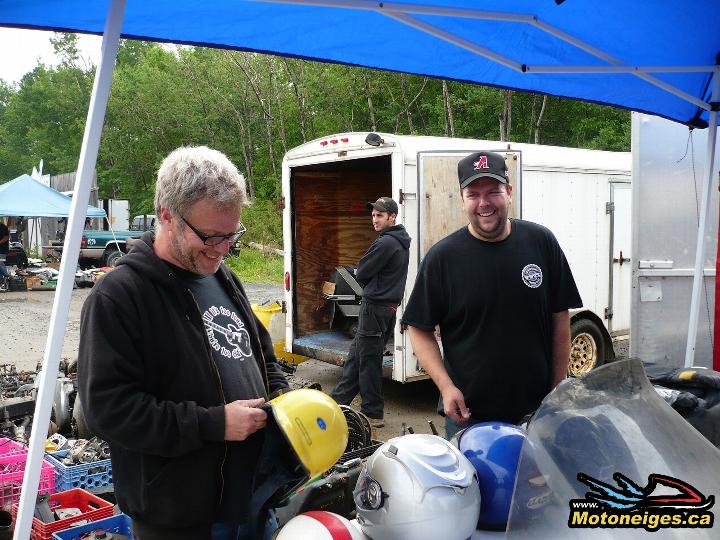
<point>590,343</point>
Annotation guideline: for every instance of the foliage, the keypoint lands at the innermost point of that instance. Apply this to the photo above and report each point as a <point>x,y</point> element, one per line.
<point>255,108</point>
<point>252,266</point>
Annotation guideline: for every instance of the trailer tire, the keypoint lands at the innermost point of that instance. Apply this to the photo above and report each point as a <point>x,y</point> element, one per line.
<point>587,347</point>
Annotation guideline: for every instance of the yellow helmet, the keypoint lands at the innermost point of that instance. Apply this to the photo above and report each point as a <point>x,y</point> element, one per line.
<point>314,426</point>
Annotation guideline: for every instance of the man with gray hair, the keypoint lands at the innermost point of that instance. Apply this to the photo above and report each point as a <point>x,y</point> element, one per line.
<point>173,364</point>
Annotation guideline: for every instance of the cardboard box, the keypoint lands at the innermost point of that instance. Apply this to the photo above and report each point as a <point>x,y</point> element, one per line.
<point>32,282</point>
<point>328,288</point>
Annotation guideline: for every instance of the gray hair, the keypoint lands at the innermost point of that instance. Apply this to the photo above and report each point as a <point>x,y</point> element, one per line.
<point>193,173</point>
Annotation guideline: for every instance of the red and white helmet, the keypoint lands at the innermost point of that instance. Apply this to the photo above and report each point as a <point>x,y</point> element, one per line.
<point>319,525</point>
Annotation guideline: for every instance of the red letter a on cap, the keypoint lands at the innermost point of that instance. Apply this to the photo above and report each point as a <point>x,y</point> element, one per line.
<point>481,163</point>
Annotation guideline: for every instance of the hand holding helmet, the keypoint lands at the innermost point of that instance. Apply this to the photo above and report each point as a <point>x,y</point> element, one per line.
<point>243,418</point>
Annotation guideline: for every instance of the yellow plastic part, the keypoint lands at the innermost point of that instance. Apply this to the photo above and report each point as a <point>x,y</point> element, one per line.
<point>273,319</point>
<point>315,427</point>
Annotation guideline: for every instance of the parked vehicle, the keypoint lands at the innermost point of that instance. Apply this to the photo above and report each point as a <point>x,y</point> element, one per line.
<point>145,222</point>
<point>583,196</point>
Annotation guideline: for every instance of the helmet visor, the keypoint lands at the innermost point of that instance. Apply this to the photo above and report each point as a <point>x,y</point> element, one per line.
<point>368,492</point>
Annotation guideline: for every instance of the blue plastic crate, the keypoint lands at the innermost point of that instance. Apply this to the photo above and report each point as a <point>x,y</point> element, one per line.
<point>120,524</point>
<point>83,475</point>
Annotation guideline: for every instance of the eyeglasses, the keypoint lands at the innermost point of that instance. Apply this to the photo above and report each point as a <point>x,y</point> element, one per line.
<point>216,240</point>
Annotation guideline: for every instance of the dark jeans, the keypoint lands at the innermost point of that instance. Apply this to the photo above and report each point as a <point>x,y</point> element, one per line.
<point>362,371</point>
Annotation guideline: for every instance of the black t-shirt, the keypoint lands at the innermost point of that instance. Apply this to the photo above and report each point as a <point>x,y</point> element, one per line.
<point>4,245</point>
<point>493,302</point>
<point>241,379</point>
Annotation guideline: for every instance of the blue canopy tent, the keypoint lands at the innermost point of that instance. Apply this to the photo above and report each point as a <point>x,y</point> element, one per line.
<point>27,197</point>
<point>658,57</point>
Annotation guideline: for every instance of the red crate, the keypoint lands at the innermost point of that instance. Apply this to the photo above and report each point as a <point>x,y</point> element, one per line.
<point>92,507</point>
<point>12,469</point>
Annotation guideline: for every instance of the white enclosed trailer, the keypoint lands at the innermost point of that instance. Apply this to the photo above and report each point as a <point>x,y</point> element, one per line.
<point>583,196</point>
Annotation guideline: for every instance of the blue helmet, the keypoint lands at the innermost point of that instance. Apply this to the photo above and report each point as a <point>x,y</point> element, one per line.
<point>494,450</point>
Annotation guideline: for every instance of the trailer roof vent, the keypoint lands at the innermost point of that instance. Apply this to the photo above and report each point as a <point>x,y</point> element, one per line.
<point>373,139</point>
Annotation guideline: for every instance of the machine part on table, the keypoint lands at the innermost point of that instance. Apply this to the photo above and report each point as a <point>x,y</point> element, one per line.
<point>494,450</point>
<point>87,451</point>
<point>432,489</point>
<point>78,425</point>
<point>433,429</point>
<point>62,410</point>
<point>42,508</point>
<point>333,493</point>
<point>58,441</point>
<point>319,525</point>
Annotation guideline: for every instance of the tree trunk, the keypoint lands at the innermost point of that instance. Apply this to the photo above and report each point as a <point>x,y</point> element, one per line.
<point>449,124</point>
<point>408,113</point>
<point>506,116</point>
<point>539,119</point>
<point>371,109</point>
<point>299,98</point>
<point>275,89</point>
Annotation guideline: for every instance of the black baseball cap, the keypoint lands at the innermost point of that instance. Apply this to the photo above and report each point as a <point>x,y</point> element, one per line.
<point>482,165</point>
<point>384,204</point>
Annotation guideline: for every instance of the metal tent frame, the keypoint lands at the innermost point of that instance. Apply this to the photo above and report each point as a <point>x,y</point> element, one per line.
<point>410,15</point>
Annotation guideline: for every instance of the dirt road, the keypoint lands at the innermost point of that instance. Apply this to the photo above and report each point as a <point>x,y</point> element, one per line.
<point>26,317</point>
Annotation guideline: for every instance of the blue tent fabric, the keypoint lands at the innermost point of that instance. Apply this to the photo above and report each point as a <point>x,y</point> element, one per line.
<point>632,32</point>
<point>27,197</point>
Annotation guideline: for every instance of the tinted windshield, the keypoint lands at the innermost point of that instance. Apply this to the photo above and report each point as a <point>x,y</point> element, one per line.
<point>612,427</point>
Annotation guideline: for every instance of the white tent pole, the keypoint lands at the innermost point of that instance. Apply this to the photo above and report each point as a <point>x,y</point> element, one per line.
<point>71,250</point>
<point>701,247</point>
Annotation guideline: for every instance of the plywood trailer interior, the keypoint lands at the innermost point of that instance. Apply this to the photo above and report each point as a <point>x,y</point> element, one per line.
<point>332,227</point>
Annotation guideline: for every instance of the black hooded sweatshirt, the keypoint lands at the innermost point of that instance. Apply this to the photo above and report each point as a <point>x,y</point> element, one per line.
<point>149,386</point>
<point>382,271</point>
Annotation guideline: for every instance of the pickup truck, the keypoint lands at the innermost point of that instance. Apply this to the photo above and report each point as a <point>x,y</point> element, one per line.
<point>100,248</point>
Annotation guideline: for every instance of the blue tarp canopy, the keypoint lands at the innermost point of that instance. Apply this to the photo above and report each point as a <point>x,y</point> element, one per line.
<point>27,197</point>
<point>653,57</point>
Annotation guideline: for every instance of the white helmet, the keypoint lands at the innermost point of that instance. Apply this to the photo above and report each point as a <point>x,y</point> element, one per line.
<point>319,525</point>
<point>417,487</point>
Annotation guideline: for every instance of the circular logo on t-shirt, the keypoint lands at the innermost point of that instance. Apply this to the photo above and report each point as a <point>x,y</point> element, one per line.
<point>532,276</point>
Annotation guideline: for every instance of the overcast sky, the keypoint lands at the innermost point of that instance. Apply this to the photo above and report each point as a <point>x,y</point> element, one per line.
<point>21,49</point>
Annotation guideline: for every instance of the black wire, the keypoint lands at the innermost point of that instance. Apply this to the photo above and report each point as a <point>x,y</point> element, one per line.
<point>359,432</point>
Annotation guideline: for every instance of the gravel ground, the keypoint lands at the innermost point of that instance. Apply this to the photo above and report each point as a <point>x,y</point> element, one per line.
<point>27,315</point>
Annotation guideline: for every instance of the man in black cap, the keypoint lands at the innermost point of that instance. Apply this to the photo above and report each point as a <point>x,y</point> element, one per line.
<point>382,272</point>
<point>500,290</point>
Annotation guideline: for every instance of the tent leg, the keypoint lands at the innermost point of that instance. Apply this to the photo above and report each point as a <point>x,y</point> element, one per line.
<point>701,247</point>
<point>71,250</point>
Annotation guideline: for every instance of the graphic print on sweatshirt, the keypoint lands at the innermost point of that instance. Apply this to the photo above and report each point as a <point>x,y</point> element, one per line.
<point>227,333</point>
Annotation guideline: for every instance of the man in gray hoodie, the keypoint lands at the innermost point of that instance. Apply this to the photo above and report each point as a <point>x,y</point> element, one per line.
<point>382,272</point>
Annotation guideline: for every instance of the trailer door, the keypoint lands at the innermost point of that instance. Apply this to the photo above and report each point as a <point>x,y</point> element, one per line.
<point>438,211</point>
<point>621,267</point>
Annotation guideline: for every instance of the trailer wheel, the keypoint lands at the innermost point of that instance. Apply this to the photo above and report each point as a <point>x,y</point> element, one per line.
<point>587,347</point>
